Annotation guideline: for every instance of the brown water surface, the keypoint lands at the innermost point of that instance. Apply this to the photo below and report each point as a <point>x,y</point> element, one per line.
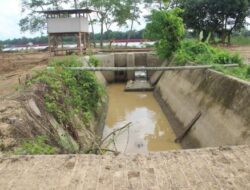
<point>150,130</point>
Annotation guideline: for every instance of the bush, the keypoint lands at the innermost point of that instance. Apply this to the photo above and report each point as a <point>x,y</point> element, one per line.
<point>196,52</point>
<point>167,28</point>
<point>224,57</point>
<point>93,61</point>
<point>70,92</point>
<point>37,145</point>
<point>248,72</point>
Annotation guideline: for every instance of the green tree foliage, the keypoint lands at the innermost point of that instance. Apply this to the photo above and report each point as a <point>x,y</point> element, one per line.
<point>105,9</point>
<point>215,17</point>
<point>115,11</point>
<point>161,4</point>
<point>167,28</point>
<point>33,21</point>
<point>109,12</point>
<point>133,14</point>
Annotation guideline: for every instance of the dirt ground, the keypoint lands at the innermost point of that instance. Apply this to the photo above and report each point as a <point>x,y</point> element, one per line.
<point>15,67</point>
<point>244,51</point>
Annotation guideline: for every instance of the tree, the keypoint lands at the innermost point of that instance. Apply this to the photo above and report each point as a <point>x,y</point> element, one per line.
<point>108,13</point>
<point>105,9</point>
<point>160,3</point>
<point>33,21</point>
<point>133,15</point>
<point>215,17</point>
<point>168,29</point>
<point>230,15</point>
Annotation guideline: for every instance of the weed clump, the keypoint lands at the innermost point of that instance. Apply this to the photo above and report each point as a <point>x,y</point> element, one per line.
<point>70,92</point>
<point>196,52</point>
<point>38,145</point>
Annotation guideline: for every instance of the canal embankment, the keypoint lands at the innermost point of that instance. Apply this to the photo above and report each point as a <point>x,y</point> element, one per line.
<point>222,100</point>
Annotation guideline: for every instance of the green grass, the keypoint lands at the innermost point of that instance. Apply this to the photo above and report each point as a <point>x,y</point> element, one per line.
<point>195,52</point>
<point>38,145</point>
<point>242,72</point>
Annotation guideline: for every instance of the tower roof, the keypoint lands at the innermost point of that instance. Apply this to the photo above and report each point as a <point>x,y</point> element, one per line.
<point>68,11</point>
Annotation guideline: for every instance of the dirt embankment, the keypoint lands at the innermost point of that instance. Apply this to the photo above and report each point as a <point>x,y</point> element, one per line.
<point>222,100</point>
<point>16,67</point>
<point>23,113</point>
<point>26,117</point>
<point>21,61</point>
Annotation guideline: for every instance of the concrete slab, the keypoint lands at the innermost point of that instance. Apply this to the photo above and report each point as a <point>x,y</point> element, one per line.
<point>138,85</point>
<point>212,168</point>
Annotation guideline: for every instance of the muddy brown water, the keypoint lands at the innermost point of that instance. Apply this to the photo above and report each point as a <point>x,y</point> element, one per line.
<point>150,130</point>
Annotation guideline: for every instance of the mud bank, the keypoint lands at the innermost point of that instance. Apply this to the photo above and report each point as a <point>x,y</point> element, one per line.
<point>24,117</point>
<point>223,101</point>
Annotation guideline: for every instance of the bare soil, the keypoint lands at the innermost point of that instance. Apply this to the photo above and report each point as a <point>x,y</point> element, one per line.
<point>244,51</point>
<point>16,67</point>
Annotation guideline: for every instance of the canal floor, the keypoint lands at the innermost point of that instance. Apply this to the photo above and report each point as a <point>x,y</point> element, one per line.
<point>149,131</point>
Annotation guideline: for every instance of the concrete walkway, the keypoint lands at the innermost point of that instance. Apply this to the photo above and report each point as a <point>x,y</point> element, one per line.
<point>219,168</point>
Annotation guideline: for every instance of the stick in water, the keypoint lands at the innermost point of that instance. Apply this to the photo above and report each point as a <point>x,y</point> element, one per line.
<point>188,128</point>
<point>115,132</point>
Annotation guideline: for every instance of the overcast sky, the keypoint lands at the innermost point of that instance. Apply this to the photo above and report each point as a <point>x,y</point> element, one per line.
<point>10,14</point>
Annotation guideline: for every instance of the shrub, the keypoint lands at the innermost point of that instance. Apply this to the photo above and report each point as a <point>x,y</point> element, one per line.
<point>167,28</point>
<point>70,92</point>
<point>202,53</point>
<point>93,61</point>
<point>248,72</point>
<point>38,145</point>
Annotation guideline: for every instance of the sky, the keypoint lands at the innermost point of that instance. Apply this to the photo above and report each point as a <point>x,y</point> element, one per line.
<point>10,14</point>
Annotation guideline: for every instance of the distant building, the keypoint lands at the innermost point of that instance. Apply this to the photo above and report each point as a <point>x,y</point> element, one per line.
<point>72,22</point>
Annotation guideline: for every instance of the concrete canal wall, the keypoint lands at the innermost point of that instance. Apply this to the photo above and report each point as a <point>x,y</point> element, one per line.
<point>223,101</point>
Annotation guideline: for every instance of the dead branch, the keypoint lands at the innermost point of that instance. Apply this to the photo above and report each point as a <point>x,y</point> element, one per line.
<point>128,125</point>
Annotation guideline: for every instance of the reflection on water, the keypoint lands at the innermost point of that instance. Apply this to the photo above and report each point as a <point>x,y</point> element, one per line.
<point>150,130</point>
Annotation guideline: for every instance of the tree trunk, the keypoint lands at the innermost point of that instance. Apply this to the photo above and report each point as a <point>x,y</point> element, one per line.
<point>93,30</point>
<point>223,37</point>
<point>101,37</point>
<point>160,5</point>
<point>132,25</point>
<point>75,2</point>
<point>229,37</point>
<point>130,32</point>
<point>212,39</point>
